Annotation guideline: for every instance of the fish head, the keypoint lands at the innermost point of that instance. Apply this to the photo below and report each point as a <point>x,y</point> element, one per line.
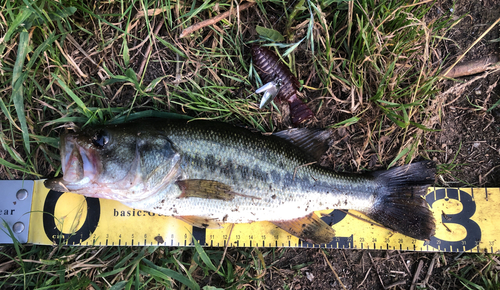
<point>119,162</point>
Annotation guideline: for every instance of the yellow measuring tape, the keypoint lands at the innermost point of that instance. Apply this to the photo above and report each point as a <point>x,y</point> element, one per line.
<point>465,221</point>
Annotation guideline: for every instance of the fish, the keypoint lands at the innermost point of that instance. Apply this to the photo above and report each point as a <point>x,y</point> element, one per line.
<point>208,173</point>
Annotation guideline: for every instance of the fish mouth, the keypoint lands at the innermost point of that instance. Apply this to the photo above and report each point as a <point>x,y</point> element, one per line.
<point>79,164</point>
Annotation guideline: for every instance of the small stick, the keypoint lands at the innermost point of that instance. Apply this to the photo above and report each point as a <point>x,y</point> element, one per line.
<point>148,51</point>
<point>419,269</point>
<point>431,267</point>
<point>376,270</point>
<point>491,170</point>
<point>366,276</point>
<point>225,248</point>
<point>472,45</point>
<point>397,283</point>
<point>77,45</point>
<point>333,270</point>
<point>480,271</point>
<point>347,262</point>
<point>403,260</point>
<point>214,20</point>
<point>398,272</point>
<point>71,61</point>
<point>471,67</point>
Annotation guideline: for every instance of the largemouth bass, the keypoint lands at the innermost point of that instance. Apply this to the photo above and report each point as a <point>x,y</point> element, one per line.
<point>208,173</point>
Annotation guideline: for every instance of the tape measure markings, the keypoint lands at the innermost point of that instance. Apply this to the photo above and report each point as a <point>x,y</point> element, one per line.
<point>465,221</point>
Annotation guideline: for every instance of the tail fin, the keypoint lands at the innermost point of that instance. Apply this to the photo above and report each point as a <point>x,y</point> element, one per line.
<point>399,204</point>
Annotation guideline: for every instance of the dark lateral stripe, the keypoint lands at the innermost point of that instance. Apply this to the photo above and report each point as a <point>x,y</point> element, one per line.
<point>200,235</point>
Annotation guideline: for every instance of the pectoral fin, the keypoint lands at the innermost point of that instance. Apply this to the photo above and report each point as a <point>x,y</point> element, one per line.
<point>208,189</point>
<point>309,228</point>
<point>201,222</point>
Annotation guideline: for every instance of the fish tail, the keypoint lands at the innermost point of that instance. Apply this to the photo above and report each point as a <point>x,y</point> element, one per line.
<point>399,203</point>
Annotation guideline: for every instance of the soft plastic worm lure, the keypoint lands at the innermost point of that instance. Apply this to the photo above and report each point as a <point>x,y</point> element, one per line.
<point>275,73</point>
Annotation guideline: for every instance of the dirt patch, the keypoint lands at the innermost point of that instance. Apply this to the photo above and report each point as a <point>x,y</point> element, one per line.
<point>469,134</point>
<point>358,269</point>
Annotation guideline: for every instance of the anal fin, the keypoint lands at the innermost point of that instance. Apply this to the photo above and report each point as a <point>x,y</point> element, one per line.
<point>309,228</point>
<point>200,221</point>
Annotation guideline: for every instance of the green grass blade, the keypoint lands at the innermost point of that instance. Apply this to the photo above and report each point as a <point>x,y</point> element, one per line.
<point>270,33</point>
<point>204,257</point>
<point>14,26</point>
<point>75,98</point>
<point>167,274</point>
<point>347,122</point>
<point>171,46</point>
<point>17,86</point>
<point>401,154</point>
<point>119,285</point>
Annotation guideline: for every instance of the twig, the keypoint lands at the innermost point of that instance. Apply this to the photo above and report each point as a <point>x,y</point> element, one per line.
<point>376,270</point>
<point>4,267</point>
<point>71,61</point>
<point>214,20</point>
<point>458,89</point>
<point>431,267</point>
<point>225,248</point>
<point>496,260</point>
<point>471,46</point>
<point>148,51</point>
<point>415,277</point>
<point>333,270</point>
<point>471,67</point>
<point>491,170</point>
<point>345,258</point>
<point>397,283</point>
<point>366,276</point>
<point>403,260</point>
<point>79,47</point>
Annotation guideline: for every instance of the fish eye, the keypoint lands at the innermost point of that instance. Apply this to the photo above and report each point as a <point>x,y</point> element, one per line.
<point>100,139</point>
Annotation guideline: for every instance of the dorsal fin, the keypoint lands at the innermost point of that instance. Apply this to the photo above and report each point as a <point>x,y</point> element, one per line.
<point>309,228</point>
<point>312,141</point>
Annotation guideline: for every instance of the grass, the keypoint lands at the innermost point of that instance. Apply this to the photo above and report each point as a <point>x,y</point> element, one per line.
<point>368,66</point>
<point>42,267</point>
<point>99,72</point>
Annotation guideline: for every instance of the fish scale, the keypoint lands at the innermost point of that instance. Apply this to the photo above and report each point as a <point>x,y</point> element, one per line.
<point>267,179</point>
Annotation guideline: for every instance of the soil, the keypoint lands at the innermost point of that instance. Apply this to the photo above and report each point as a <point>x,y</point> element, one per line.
<point>357,269</point>
<point>470,133</point>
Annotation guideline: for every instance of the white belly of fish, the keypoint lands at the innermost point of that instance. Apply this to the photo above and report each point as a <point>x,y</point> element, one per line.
<point>259,207</point>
